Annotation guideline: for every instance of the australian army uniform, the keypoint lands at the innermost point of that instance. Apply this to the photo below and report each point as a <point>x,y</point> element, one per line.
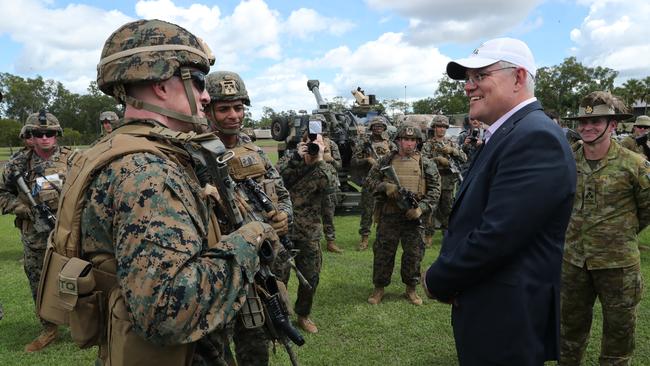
<point>44,178</point>
<point>308,186</point>
<point>420,176</point>
<point>361,158</point>
<point>601,256</point>
<point>249,161</point>
<point>448,158</point>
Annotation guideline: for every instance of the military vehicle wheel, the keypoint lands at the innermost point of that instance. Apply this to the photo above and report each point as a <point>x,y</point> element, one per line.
<point>279,129</point>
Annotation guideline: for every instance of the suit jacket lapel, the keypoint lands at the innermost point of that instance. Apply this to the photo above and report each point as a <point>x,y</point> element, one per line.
<point>487,149</point>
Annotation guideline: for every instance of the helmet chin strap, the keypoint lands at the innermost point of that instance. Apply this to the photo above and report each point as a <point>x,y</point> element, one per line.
<point>199,124</point>
<point>599,136</point>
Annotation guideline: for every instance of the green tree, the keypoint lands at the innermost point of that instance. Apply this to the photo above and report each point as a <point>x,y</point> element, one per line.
<point>338,104</point>
<point>23,97</point>
<point>9,131</point>
<point>450,97</point>
<point>424,106</point>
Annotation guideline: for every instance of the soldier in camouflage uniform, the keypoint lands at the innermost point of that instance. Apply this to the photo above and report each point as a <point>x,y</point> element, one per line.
<point>363,157</point>
<point>43,169</point>
<point>448,158</point>
<point>308,178</point>
<point>108,120</point>
<point>144,215</point>
<point>601,257</point>
<point>638,140</point>
<point>332,156</point>
<point>470,140</point>
<point>397,223</point>
<point>228,98</point>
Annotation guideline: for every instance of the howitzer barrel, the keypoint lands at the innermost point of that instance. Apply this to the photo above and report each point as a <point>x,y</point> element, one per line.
<point>313,85</point>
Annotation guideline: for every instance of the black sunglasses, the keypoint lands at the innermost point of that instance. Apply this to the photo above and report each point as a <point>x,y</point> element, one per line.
<point>40,134</point>
<point>198,78</point>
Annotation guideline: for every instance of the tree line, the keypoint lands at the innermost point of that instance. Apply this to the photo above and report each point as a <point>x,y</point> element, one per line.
<point>559,88</point>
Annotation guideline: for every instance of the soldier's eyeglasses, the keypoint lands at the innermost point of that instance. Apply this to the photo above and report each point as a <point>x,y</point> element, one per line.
<point>40,134</point>
<point>198,78</point>
<point>480,76</point>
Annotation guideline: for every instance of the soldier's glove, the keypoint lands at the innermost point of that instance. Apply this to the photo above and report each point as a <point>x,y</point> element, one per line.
<point>448,150</point>
<point>413,213</point>
<point>23,212</point>
<point>441,161</point>
<point>257,232</point>
<point>371,161</point>
<point>279,220</point>
<point>391,190</point>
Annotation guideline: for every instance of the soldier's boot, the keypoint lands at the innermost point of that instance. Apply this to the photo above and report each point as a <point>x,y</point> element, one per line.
<point>428,241</point>
<point>306,324</point>
<point>331,247</point>
<point>411,296</point>
<point>377,295</point>
<point>47,336</point>
<point>363,244</point>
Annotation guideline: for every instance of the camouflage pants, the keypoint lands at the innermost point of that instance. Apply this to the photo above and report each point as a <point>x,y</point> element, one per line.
<point>367,210</point>
<point>327,213</point>
<point>390,230</point>
<point>34,245</point>
<point>448,185</point>
<point>308,261</point>
<point>619,291</point>
<point>251,345</point>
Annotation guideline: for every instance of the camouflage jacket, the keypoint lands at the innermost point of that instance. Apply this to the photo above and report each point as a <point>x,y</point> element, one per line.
<point>612,205</point>
<point>28,163</point>
<point>428,202</point>
<point>433,148</point>
<point>150,213</point>
<point>308,185</point>
<point>361,151</point>
<point>332,153</point>
<point>630,143</point>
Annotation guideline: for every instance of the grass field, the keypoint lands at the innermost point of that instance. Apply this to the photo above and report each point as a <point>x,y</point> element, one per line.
<point>351,331</point>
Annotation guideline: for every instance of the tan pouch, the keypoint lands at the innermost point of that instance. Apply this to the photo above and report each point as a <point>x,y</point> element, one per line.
<point>126,348</point>
<point>48,301</point>
<point>87,321</point>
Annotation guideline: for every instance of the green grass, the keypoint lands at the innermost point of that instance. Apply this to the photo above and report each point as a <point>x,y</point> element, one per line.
<point>351,332</point>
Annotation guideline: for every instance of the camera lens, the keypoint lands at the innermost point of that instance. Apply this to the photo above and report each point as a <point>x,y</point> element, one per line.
<point>312,149</point>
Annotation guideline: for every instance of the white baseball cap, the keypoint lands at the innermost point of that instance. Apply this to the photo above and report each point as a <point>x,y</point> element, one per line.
<point>495,50</point>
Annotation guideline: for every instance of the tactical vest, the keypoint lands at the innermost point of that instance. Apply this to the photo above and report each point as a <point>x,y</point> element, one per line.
<point>381,147</point>
<point>85,294</point>
<point>247,163</point>
<point>410,174</point>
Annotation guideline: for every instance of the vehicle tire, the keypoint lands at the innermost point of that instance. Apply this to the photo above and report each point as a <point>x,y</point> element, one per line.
<point>279,129</point>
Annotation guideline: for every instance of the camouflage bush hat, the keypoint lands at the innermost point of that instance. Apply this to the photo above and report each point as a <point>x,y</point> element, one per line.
<point>440,121</point>
<point>378,120</point>
<point>150,51</point>
<point>227,86</point>
<point>602,104</point>
<point>43,121</point>
<point>409,130</point>
<point>642,121</point>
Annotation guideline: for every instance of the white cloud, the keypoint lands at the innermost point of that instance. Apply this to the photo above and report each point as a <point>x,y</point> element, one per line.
<point>302,23</point>
<point>381,67</point>
<point>615,35</point>
<point>433,22</point>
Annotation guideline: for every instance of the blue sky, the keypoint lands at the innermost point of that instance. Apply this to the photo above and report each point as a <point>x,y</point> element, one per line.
<point>380,45</point>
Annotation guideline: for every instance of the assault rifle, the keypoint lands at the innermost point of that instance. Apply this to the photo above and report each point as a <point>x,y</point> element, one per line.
<point>262,203</point>
<point>44,220</point>
<point>276,314</point>
<point>406,199</point>
<point>371,150</point>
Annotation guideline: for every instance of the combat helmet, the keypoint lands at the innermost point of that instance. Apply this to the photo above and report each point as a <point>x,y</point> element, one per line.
<point>440,121</point>
<point>378,120</point>
<point>642,121</point>
<point>409,130</point>
<point>43,121</point>
<point>150,51</point>
<point>225,86</point>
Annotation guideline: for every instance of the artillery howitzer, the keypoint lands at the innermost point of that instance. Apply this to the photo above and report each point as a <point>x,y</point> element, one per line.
<point>343,127</point>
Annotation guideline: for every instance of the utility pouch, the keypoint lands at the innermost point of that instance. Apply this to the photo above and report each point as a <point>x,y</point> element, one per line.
<point>252,312</point>
<point>87,321</point>
<point>48,301</point>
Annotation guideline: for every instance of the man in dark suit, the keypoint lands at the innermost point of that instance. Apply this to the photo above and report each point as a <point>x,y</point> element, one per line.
<point>500,261</point>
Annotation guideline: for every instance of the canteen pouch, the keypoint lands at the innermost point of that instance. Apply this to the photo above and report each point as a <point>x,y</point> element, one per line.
<point>48,302</point>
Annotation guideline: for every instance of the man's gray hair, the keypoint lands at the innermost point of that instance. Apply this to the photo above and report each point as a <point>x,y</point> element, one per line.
<point>530,80</point>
